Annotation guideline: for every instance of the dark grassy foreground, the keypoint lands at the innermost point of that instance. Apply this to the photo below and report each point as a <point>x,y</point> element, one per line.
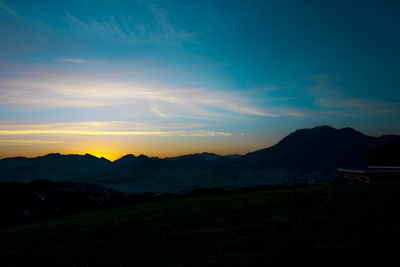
<point>337,224</point>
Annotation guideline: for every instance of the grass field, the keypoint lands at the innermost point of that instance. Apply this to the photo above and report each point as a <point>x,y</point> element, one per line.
<point>359,223</point>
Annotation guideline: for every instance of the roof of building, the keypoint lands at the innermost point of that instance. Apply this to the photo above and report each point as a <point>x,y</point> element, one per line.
<point>370,170</point>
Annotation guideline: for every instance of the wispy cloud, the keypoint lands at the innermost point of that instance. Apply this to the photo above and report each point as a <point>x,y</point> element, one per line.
<point>158,30</point>
<point>328,95</point>
<point>295,114</point>
<point>73,60</point>
<point>360,103</point>
<point>44,91</point>
<point>168,30</point>
<point>158,112</point>
<point>102,128</point>
<point>24,142</point>
<point>8,10</point>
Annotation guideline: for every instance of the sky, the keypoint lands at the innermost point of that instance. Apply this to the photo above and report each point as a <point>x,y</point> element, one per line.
<point>165,78</point>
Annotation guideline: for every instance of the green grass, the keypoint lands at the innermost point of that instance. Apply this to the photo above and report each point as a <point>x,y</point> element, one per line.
<point>336,222</point>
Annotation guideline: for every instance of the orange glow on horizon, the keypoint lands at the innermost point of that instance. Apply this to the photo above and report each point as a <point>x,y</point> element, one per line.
<point>113,148</point>
<point>107,153</point>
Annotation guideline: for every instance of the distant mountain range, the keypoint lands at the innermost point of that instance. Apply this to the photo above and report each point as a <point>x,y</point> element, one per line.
<point>309,154</point>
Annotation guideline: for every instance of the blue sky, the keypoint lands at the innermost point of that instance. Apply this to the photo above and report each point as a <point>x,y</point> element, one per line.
<point>171,77</point>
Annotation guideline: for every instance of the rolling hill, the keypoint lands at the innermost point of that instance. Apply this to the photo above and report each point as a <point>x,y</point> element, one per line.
<point>353,224</point>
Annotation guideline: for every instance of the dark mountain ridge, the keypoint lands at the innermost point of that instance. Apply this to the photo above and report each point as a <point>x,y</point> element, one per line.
<point>310,154</point>
<point>320,146</point>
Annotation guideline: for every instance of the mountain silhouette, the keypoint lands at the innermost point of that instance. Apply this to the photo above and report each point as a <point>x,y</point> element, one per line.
<point>308,154</point>
<point>56,167</point>
<point>319,147</point>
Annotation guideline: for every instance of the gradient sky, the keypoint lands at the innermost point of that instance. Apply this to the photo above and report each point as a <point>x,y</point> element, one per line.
<point>165,78</point>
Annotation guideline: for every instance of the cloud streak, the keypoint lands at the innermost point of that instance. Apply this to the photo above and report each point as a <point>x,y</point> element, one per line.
<point>8,10</point>
<point>158,30</point>
<point>23,142</point>
<point>329,96</point>
<point>102,128</point>
<point>73,60</point>
<point>51,91</point>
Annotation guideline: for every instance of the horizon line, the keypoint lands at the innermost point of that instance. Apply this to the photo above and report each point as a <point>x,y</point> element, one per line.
<point>102,157</point>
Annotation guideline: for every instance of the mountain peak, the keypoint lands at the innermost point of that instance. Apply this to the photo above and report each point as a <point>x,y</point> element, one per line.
<point>52,155</point>
<point>327,130</point>
<point>323,127</point>
<point>304,141</point>
<point>349,130</point>
<point>127,157</point>
<point>130,158</point>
